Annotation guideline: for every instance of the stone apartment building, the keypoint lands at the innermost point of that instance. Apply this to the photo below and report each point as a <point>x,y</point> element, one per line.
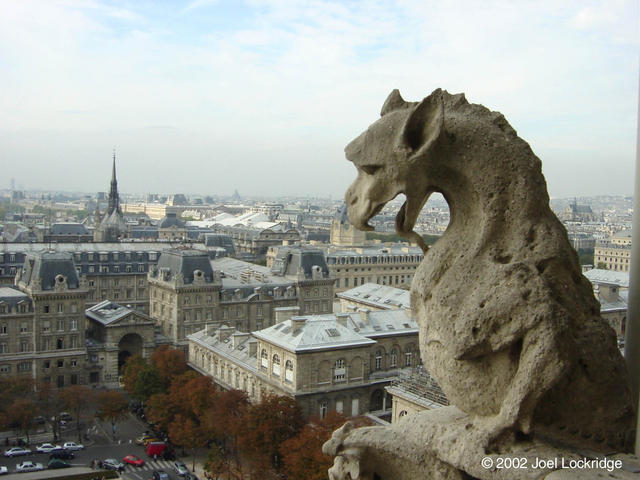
<point>374,297</point>
<point>189,291</point>
<point>326,362</point>
<point>42,324</point>
<point>392,265</point>
<point>614,254</point>
<point>114,271</point>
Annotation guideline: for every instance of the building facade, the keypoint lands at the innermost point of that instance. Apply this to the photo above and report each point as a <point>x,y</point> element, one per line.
<point>189,291</point>
<point>328,362</point>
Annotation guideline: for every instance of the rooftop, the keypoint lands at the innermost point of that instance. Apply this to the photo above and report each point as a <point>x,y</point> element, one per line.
<point>379,296</point>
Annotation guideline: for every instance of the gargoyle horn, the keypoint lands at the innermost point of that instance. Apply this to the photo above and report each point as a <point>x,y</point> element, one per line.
<point>393,102</point>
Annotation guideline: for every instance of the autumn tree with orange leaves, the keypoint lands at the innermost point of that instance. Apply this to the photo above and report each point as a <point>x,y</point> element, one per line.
<point>266,426</point>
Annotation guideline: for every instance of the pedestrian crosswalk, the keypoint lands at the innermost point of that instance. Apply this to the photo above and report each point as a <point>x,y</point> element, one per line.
<point>159,464</point>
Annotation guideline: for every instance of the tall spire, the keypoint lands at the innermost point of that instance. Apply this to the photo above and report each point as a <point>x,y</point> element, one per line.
<point>114,198</point>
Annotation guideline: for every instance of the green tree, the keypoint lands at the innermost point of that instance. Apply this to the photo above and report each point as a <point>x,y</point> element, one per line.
<point>149,382</point>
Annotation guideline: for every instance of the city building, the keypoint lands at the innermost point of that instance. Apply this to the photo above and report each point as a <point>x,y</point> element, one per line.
<point>189,290</point>
<point>326,362</point>
<point>614,254</point>
<point>114,333</point>
<point>374,297</point>
<point>42,324</point>
<point>413,392</point>
<point>112,226</point>
<point>343,233</point>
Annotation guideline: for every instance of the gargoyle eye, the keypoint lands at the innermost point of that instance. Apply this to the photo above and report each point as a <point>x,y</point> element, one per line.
<point>370,169</point>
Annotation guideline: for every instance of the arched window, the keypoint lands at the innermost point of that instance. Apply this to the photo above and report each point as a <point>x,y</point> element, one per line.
<point>378,360</point>
<point>408,360</point>
<point>264,358</point>
<point>276,365</point>
<point>393,359</point>
<point>288,371</point>
<point>339,371</point>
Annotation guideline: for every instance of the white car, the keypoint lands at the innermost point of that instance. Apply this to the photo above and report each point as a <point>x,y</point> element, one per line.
<point>72,446</point>
<point>3,470</point>
<point>16,451</point>
<point>112,464</point>
<point>29,466</point>
<point>47,447</point>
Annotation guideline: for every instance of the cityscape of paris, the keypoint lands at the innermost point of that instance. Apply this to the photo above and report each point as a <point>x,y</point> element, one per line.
<point>183,292</point>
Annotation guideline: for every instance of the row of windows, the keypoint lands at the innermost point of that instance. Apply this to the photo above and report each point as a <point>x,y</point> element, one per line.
<point>140,268</point>
<point>59,308</point>
<point>114,256</point>
<point>383,280</point>
<point>20,308</point>
<point>275,366</point>
<point>374,259</point>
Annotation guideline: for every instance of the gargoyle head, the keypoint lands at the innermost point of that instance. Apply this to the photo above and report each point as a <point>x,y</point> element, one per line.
<point>386,156</point>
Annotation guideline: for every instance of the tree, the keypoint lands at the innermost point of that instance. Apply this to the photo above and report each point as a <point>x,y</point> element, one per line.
<point>131,370</point>
<point>148,382</point>
<point>77,399</point>
<point>160,410</point>
<point>112,406</point>
<point>50,404</point>
<point>170,362</point>
<point>266,425</point>
<point>185,432</point>
<point>302,455</point>
<point>223,420</point>
<point>217,461</point>
<point>23,412</point>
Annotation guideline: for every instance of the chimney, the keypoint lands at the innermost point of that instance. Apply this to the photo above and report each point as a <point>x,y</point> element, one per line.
<point>364,314</point>
<point>285,313</point>
<point>342,318</point>
<point>211,329</point>
<point>238,337</point>
<point>253,347</point>
<point>298,322</point>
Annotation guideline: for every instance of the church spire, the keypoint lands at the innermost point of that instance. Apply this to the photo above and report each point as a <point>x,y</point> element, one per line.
<point>114,198</point>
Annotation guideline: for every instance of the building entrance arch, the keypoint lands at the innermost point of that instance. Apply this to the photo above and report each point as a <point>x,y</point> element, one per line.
<point>130,344</point>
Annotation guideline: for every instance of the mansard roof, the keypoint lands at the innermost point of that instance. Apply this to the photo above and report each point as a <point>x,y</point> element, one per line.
<point>49,268</point>
<point>185,262</point>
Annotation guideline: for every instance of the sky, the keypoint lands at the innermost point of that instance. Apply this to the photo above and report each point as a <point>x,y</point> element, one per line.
<point>210,96</point>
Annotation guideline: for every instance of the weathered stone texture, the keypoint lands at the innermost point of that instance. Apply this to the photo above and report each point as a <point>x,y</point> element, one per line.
<point>508,324</point>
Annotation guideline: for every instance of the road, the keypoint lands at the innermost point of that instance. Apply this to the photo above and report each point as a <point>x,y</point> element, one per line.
<point>101,444</point>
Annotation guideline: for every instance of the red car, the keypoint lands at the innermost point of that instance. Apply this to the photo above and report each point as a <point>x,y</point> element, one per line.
<point>133,460</point>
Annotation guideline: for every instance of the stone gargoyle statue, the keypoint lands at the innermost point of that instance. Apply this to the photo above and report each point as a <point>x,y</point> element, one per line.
<point>509,326</point>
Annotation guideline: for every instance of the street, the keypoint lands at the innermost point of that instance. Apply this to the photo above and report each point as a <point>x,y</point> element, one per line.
<point>101,444</point>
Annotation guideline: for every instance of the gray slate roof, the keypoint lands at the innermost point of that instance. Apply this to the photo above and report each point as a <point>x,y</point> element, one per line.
<point>107,312</point>
<point>379,296</point>
<point>12,296</point>
<point>599,275</point>
<point>68,228</point>
<point>47,266</point>
<point>186,262</point>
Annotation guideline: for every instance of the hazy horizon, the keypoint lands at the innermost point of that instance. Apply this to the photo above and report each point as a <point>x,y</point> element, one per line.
<point>262,96</point>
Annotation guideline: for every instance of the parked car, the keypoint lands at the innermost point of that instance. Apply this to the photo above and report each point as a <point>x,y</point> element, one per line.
<point>190,476</point>
<point>72,446</point>
<point>142,438</point>
<point>60,452</point>
<point>47,448</point>
<point>133,460</point>
<point>40,420</point>
<point>57,463</point>
<point>160,475</point>
<point>29,466</point>
<point>3,470</point>
<point>148,440</point>
<point>16,451</point>
<point>180,468</point>
<point>112,464</point>
<point>65,416</point>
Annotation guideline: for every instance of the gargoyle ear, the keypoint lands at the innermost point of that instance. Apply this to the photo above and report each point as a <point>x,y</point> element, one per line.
<point>393,102</point>
<point>425,124</point>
